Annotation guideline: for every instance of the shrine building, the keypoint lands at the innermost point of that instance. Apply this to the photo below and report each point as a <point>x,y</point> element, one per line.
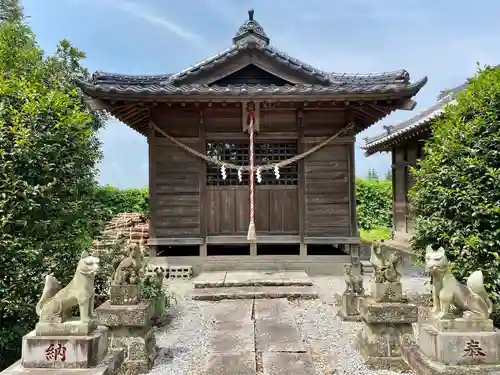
<point>303,121</point>
<point>405,141</point>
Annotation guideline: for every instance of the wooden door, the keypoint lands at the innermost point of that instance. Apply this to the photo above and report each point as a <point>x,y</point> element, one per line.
<point>276,210</point>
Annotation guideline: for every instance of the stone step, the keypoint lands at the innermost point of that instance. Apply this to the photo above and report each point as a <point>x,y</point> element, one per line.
<point>250,292</point>
<point>367,267</point>
<point>251,278</point>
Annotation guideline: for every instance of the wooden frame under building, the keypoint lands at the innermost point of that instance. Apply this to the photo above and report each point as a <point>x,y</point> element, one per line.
<point>202,112</point>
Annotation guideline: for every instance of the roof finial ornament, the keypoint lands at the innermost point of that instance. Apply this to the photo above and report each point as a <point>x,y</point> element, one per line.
<point>250,14</point>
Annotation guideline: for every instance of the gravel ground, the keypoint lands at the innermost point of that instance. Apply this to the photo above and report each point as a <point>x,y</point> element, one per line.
<point>333,341</point>
<point>185,342</point>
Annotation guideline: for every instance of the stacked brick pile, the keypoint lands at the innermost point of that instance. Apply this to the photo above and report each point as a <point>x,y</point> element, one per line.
<point>126,226</point>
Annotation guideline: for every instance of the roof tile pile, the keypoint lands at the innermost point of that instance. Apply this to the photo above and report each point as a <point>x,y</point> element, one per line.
<point>132,226</point>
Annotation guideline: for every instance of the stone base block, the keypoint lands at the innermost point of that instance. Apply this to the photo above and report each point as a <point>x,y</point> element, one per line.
<point>459,348</point>
<point>138,315</point>
<point>111,365</point>
<point>349,307</point>
<point>390,313</point>
<point>68,328</point>
<point>65,351</point>
<point>130,367</point>
<point>386,292</point>
<point>463,325</point>
<point>139,344</point>
<point>381,350</point>
<point>422,365</point>
<point>124,294</point>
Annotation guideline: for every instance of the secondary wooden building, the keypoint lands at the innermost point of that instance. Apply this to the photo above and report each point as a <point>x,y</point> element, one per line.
<point>196,122</point>
<point>405,141</point>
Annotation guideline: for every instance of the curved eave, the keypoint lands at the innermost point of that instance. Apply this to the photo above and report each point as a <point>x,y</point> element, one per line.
<point>388,144</point>
<point>412,128</point>
<point>168,92</point>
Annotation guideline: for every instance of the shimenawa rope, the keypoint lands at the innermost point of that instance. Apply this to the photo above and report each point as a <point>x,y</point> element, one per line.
<point>264,167</point>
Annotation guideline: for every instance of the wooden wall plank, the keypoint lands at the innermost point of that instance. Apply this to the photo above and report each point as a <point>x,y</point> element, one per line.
<point>323,122</point>
<point>177,189</point>
<point>276,210</point>
<point>327,192</point>
<point>277,120</point>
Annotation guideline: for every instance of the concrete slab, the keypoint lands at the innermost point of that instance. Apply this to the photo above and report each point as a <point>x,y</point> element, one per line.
<point>231,364</point>
<point>233,311</point>
<point>275,336</point>
<point>274,309</point>
<point>249,292</point>
<point>209,280</point>
<point>234,339</point>
<point>271,278</point>
<point>287,364</point>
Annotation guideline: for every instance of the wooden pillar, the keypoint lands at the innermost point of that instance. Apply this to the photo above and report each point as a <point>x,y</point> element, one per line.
<point>203,184</point>
<point>412,160</point>
<point>301,188</point>
<point>352,182</point>
<point>152,183</point>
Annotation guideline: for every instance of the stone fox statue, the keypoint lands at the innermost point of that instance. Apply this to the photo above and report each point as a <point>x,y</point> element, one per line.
<point>126,269</point>
<point>57,303</point>
<point>447,291</point>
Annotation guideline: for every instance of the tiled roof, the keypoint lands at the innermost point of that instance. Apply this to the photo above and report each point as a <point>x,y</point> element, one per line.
<point>249,39</point>
<point>420,122</point>
<point>397,82</point>
<point>167,89</point>
<point>400,77</point>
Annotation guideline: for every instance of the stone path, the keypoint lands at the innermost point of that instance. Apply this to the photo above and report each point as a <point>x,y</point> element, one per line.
<point>257,336</point>
<point>216,286</point>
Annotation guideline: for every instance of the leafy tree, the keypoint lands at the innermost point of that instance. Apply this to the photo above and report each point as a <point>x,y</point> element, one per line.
<point>110,201</point>
<point>11,11</point>
<point>48,154</point>
<point>388,175</point>
<point>372,175</point>
<point>374,209</point>
<point>456,196</point>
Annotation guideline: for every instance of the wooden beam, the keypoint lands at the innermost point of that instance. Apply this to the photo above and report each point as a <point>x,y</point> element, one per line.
<point>174,241</point>
<point>265,239</point>
<point>203,182</point>
<point>301,194</point>
<point>353,228</point>
<point>152,183</point>
<point>331,240</point>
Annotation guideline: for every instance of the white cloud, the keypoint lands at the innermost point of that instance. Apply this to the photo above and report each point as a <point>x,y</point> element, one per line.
<point>138,9</point>
<point>143,12</point>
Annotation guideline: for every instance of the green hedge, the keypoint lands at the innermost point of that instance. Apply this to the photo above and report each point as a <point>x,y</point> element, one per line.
<point>457,190</point>
<point>111,201</point>
<point>374,209</point>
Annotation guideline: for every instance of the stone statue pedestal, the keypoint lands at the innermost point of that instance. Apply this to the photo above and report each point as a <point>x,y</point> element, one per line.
<point>349,307</point>
<point>130,327</point>
<point>456,345</point>
<point>386,321</point>
<point>67,328</point>
<point>354,292</point>
<point>67,350</point>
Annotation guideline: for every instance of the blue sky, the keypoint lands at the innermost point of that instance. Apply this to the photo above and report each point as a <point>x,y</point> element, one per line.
<point>441,39</point>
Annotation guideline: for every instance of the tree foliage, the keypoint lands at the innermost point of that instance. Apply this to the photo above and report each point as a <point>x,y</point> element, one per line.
<point>456,196</point>
<point>374,208</point>
<point>48,154</point>
<point>111,201</point>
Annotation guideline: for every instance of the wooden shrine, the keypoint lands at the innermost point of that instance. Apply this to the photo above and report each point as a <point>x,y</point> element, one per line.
<point>206,124</point>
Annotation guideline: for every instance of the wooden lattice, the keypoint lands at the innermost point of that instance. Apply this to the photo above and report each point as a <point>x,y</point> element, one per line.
<point>265,153</point>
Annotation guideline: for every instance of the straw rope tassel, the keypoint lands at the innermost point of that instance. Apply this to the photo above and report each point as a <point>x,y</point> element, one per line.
<point>251,236</point>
